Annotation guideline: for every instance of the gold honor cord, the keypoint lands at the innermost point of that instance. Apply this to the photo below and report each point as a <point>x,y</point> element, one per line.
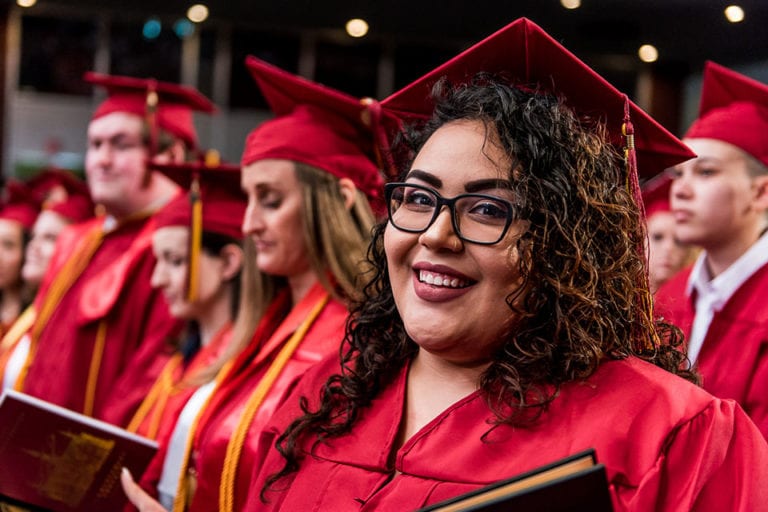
<point>236,442</point>
<point>11,339</point>
<point>93,371</point>
<point>18,329</point>
<point>182,494</point>
<point>156,399</point>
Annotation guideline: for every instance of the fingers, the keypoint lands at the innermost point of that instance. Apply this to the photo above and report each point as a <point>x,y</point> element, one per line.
<point>136,495</point>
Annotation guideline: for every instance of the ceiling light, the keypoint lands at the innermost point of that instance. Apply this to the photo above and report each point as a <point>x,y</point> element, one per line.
<point>734,13</point>
<point>198,13</point>
<point>183,28</point>
<point>648,53</point>
<point>571,4</point>
<point>26,3</point>
<point>152,28</point>
<point>357,27</point>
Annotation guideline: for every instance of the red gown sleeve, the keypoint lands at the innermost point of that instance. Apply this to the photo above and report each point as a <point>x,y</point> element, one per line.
<point>714,462</point>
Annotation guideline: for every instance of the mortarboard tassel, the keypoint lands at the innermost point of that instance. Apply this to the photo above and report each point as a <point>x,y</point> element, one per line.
<point>211,159</point>
<point>633,186</point>
<point>371,117</point>
<point>151,115</point>
<point>195,238</point>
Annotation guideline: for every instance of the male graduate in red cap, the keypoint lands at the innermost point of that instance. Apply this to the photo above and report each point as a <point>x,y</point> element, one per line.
<point>101,333</point>
<point>720,200</point>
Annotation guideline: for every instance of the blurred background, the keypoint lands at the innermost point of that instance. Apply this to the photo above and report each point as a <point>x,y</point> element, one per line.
<point>653,50</point>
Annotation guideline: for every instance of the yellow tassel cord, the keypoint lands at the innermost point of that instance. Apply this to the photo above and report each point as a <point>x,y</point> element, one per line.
<point>93,371</point>
<point>182,492</point>
<point>156,399</point>
<point>237,441</point>
<point>195,240</point>
<point>64,279</point>
<point>14,335</point>
<point>18,329</point>
<point>151,117</point>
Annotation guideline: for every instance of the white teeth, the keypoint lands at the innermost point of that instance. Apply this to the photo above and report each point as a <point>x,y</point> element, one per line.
<point>439,280</point>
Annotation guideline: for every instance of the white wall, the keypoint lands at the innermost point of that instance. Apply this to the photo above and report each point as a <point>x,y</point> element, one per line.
<point>35,119</point>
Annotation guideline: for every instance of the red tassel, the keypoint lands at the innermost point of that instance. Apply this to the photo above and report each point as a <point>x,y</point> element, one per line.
<point>645,341</point>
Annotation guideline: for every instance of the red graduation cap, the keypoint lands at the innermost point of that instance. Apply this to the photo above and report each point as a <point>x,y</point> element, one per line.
<point>19,204</point>
<point>656,194</point>
<point>165,105</point>
<point>321,127</point>
<point>533,59</point>
<point>214,203</point>
<point>733,109</point>
<point>62,192</point>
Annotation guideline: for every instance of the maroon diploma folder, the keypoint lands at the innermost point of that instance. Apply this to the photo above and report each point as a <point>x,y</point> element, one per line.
<point>54,459</point>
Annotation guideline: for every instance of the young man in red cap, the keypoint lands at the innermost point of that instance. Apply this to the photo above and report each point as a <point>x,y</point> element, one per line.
<point>720,200</point>
<point>101,333</point>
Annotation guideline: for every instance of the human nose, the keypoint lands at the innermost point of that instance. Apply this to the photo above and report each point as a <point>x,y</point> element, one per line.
<point>681,186</point>
<point>157,280</point>
<point>98,156</point>
<point>252,220</point>
<point>33,247</point>
<point>441,233</point>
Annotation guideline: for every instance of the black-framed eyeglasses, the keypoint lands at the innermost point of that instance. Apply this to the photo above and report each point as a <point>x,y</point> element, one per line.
<point>477,218</point>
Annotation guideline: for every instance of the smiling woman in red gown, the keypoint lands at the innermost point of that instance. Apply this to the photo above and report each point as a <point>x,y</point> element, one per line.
<point>509,324</point>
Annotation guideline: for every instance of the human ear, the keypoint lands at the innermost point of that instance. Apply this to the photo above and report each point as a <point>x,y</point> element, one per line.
<point>232,260</point>
<point>348,192</point>
<point>761,192</point>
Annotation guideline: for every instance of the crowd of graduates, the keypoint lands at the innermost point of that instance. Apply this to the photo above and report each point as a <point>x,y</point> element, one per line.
<point>386,304</point>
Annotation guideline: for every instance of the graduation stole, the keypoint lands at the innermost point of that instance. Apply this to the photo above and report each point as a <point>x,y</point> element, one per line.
<point>237,441</point>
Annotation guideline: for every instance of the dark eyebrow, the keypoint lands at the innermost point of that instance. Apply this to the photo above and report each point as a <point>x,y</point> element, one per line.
<point>480,185</point>
<point>471,187</point>
<point>425,176</point>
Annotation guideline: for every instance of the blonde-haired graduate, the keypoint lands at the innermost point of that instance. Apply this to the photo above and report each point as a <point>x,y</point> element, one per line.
<point>313,178</point>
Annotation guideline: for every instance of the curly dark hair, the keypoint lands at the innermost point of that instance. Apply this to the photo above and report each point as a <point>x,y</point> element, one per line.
<point>585,295</point>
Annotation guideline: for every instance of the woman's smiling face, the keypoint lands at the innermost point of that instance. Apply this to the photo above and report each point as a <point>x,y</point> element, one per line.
<point>451,294</point>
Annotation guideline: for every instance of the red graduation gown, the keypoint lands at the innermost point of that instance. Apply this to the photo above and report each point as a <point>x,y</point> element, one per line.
<point>112,292</point>
<point>667,446</point>
<point>225,408</point>
<point>733,360</point>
